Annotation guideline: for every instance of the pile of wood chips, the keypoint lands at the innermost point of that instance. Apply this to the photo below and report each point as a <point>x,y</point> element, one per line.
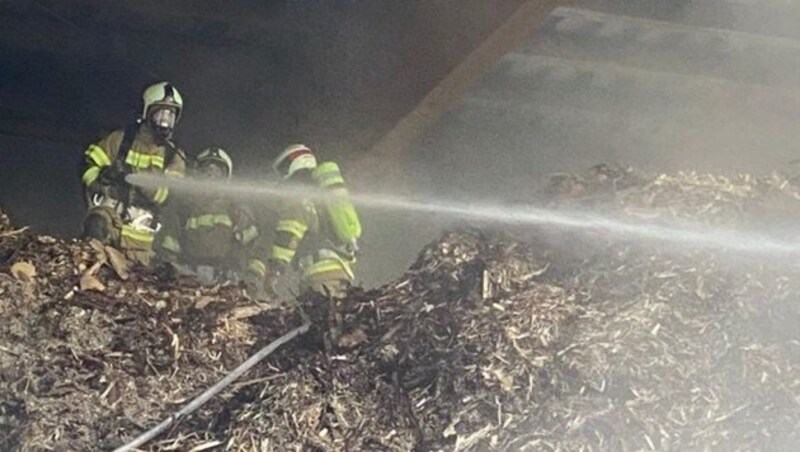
<point>515,340</point>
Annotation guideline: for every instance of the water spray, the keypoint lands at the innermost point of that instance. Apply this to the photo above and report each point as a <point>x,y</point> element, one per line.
<point>695,235</point>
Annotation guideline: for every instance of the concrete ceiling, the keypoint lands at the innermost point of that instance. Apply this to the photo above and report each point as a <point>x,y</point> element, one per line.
<point>667,87</point>
<point>251,71</point>
<point>707,85</point>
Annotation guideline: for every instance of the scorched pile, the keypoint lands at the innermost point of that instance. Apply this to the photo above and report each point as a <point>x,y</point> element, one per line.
<point>527,339</point>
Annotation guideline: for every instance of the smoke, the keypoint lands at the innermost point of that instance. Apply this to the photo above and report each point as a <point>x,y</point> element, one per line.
<point>662,86</point>
<point>681,234</point>
<point>602,81</point>
<point>589,87</point>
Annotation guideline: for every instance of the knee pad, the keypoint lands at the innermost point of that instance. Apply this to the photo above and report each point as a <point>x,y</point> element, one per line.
<point>96,226</point>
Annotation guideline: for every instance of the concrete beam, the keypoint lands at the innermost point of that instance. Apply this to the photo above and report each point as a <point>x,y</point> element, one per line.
<point>582,34</point>
<point>618,22</point>
<point>524,64</point>
<point>389,153</point>
<point>763,17</point>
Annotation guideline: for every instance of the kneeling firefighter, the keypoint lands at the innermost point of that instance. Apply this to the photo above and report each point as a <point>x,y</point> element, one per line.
<point>120,214</point>
<point>212,236</point>
<point>319,234</point>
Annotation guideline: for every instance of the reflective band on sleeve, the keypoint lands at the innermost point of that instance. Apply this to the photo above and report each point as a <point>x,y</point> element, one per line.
<point>294,227</point>
<point>249,234</point>
<point>161,195</point>
<point>282,254</point>
<point>157,161</point>
<point>208,220</point>
<point>137,160</point>
<point>139,236</point>
<point>90,175</point>
<point>98,155</point>
<point>328,174</point>
<point>143,161</point>
<point>257,267</point>
<point>173,173</point>
<point>330,265</point>
<point>326,180</point>
<point>171,244</point>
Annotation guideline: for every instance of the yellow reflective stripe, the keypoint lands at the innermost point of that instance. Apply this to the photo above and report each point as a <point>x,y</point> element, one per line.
<point>249,234</point>
<point>98,155</point>
<point>282,254</point>
<point>332,180</point>
<point>90,175</point>
<point>173,173</point>
<point>330,265</point>
<point>223,219</point>
<point>143,161</point>
<point>328,178</point>
<point>327,174</point>
<point>139,236</point>
<point>137,160</point>
<point>157,161</point>
<point>257,267</point>
<point>171,244</point>
<point>324,267</point>
<point>161,195</point>
<point>208,220</point>
<point>294,227</point>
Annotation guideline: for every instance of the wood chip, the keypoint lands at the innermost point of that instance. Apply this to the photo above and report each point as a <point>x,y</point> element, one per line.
<point>352,339</point>
<point>118,262</point>
<point>90,282</point>
<point>23,271</point>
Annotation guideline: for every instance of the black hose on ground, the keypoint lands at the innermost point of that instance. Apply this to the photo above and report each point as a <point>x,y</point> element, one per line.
<point>214,390</point>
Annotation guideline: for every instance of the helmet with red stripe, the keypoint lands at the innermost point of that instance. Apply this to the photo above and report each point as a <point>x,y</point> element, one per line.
<point>293,159</point>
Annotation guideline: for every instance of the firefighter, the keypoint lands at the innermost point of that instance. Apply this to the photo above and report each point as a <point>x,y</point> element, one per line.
<point>214,236</point>
<point>119,214</point>
<point>317,234</point>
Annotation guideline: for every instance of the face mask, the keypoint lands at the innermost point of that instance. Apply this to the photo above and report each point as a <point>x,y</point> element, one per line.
<point>164,118</point>
<point>212,171</point>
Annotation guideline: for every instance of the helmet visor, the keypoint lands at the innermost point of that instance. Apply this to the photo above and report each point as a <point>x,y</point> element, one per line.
<point>164,117</point>
<point>212,170</point>
<point>284,166</point>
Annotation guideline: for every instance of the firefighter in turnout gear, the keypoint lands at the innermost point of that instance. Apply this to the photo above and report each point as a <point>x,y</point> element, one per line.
<point>318,234</point>
<point>213,237</point>
<point>119,214</point>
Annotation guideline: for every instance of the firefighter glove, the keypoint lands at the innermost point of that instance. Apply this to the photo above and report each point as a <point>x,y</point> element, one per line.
<point>111,175</point>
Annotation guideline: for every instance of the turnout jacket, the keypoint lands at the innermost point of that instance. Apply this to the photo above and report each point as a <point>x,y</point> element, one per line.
<point>146,154</point>
<point>214,230</point>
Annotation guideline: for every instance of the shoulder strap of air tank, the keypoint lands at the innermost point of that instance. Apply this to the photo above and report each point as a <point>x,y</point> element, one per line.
<point>127,143</point>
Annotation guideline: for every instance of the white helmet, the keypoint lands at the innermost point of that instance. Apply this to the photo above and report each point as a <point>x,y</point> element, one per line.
<point>216,155</point>
<point>162,94</point>
<point>293,159</point>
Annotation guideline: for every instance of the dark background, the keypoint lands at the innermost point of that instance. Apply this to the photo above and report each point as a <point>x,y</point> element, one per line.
<point>255,75</point>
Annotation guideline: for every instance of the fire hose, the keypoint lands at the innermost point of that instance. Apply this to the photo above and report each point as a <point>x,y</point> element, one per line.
<point>214,390</point>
